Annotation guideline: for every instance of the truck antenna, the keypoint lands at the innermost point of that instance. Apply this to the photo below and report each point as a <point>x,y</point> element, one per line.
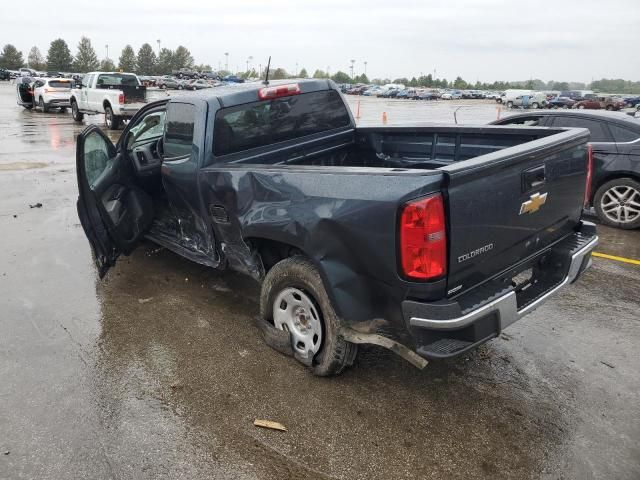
<point>266,76</point>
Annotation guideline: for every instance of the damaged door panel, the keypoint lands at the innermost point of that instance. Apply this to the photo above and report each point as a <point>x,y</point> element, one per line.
<point>409,238</point>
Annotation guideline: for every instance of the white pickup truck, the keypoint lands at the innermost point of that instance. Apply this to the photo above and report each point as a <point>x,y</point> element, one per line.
<point>117,95</point>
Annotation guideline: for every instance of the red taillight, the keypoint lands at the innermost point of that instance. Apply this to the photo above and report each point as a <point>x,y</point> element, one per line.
<point>121,98</point>
<point>268,93</point>
<point>423,239</point>
<point>587,189</point>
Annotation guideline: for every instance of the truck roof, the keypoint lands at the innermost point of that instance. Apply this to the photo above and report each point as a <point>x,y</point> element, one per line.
<point>239,93</point>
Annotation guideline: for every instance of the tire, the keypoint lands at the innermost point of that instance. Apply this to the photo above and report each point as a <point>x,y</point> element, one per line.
<point>535,105</point>
<point>75,112</point>
<point>42,105</point>
<point>180,87</point>
<point>617,203</point>
<point>63,109</point>
<point>299,274</point>
<point>580,107</point>
<point>112,121</point>
<point>609,107</point>
<point>509,104</point>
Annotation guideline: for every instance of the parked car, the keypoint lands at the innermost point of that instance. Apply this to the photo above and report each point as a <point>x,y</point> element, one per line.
<point>116,95</point>
<point>27,72</point>
<point>632,101</point>
<point>4,74</point>
<point>372,91</point>
<point>169,82</point>
<point>24,92</point>
<point>185,73</point>
<point>425,95</point>
<point>594,102</point>
<point>407,93</point>
<point>210,75</point>
<point>615,139</point>
<point>233,79</point>
<point>51,93</point>
<point>396,247</point>
<point>451,95</point>
<point>197,84</point>
<point>561,102</point>
<point>534,100</point>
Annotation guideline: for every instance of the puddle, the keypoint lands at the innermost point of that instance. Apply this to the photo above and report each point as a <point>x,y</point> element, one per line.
<point>22,165</point>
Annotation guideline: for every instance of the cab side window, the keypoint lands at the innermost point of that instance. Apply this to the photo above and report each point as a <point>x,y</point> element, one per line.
<point>599,131</point>
<point>178,132</point>
<point>86,80</point>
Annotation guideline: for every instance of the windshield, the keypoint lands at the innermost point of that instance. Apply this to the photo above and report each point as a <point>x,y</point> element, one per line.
<point>116,79</point>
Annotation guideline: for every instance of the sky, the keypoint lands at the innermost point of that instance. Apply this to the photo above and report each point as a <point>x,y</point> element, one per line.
<point>486,40</point>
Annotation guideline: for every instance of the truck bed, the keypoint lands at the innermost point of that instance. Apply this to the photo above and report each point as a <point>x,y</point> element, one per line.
<point>428,148</point>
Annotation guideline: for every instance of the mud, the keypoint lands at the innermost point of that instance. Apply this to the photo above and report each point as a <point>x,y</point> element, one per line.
<point>159,371</point>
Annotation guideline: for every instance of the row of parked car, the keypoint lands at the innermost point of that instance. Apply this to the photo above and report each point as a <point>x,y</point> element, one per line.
<point>581,99</point>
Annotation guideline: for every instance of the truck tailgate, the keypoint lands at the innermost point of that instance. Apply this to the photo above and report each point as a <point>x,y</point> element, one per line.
<point>507,206</point>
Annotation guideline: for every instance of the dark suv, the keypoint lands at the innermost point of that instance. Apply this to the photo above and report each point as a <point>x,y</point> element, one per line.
<point>615,140</point>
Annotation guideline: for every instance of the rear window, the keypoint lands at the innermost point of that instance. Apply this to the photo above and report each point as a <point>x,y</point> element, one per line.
<point>178,134</point>
<point>263,123</point>
<point>116,79</point>
<point>60,84</point>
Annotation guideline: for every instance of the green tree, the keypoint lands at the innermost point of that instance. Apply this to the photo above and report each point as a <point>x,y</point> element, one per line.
<point>362,79</point>
<point>35,59</point>
<point>413,82</point>
<point>403,80</point>
<point>59,56</point>
<point>107,65</point>
<point>165,62</point>
<point>86,59</point>
<point>341,77</point>
<point>279,74</point>
<point>127,61</point>
<point>146,60</point>
<point>303,73</point>
<point>558,86</point>
<point>182,58</point>
<point>459,83</point>
<point>320,74</point>
<point>11,57</point>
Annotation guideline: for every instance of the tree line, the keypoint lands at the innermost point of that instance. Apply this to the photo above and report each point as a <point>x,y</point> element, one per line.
<point>146,62</point>
<point>60,59</point>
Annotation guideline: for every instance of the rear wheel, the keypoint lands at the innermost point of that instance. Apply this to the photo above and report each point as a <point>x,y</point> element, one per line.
<point>581,107</point>
<point>112,121</point>
<point>609,107</point>
<point>42,105</point>
<point>75,112</point>
<point>535,105</point>
<point>617,203</point>
<point>294,299</point>
<point>509,104</point>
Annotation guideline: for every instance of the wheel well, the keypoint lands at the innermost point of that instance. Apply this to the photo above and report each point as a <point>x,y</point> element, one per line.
<point>272,251</point>
<point>613,176</point>
<point>106,104</point>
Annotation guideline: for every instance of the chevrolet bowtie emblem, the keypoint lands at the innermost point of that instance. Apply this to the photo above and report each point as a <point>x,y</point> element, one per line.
<point>533,204</point>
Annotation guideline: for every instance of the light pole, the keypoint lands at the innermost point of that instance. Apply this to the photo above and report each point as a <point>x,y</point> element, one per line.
<point>328,71</point>
<point>365,69</point>
<point>296,70</point>
<point>352,64</point>
<point>158,47</point>
<point>249,61</point>
<point>107,47</point>
<point>226,61</point>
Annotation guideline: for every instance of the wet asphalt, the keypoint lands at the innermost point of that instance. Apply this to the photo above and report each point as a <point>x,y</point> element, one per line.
<point>158,371</point>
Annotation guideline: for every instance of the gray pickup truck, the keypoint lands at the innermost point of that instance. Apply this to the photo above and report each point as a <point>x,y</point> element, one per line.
<point>428,240</point>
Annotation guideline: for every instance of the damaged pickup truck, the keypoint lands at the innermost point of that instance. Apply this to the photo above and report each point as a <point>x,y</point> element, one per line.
<point>428,240</point>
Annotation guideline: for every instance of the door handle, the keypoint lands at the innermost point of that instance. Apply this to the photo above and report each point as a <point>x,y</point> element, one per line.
<point>533,178</point>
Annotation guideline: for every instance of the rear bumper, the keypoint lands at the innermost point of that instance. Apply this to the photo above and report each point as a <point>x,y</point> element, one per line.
<point>449,328</point>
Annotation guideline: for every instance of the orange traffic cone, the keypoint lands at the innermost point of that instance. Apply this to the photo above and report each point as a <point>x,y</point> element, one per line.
<point>384,118</point>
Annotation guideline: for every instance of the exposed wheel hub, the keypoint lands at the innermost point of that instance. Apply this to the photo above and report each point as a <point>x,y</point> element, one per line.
<point>295,312</point>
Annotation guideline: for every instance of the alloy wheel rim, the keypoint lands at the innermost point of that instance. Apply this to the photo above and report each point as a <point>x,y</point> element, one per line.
<point>621,204</point>
<point>295,313</point>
